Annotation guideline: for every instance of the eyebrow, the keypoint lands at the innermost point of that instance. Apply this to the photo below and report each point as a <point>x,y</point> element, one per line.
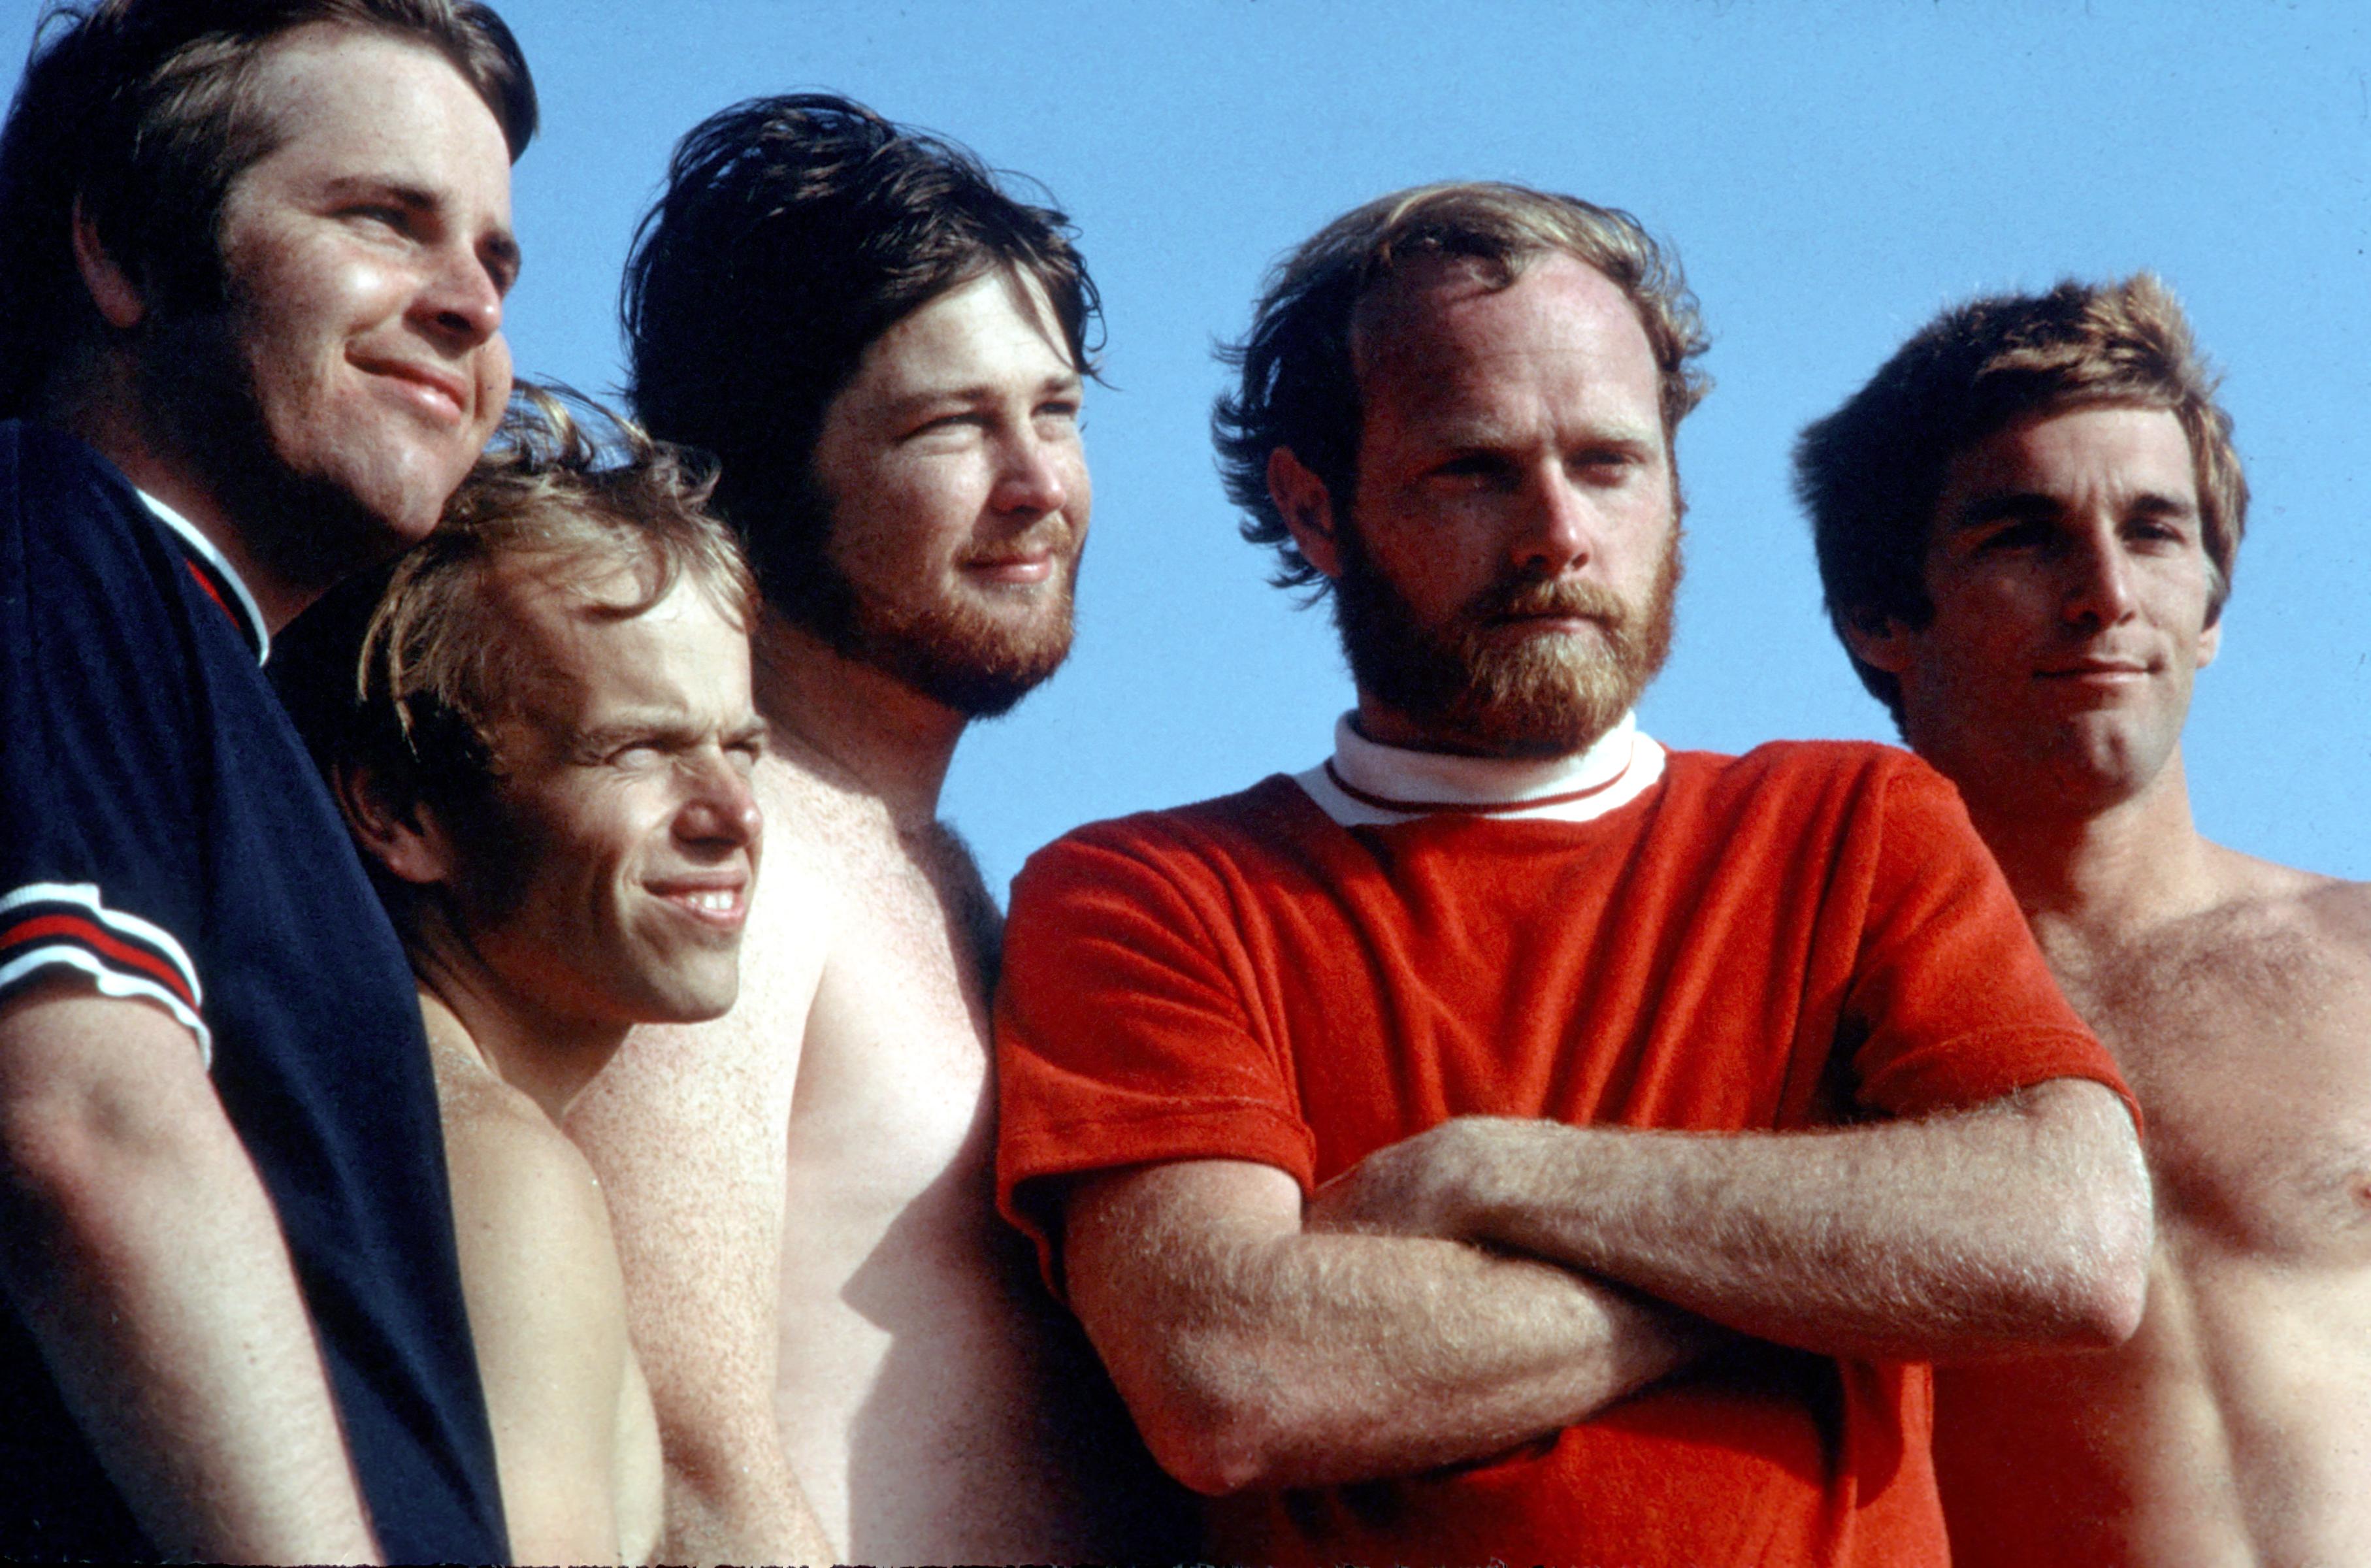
<point>501,246</point>
<point>2013,506</point>
<point>661,724</point>
<point>1067,382</point>
<point>1482,435</point>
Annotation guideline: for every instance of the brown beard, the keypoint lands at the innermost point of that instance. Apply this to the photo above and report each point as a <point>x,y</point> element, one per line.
<point>1539,697</point>
<point>957,657</point>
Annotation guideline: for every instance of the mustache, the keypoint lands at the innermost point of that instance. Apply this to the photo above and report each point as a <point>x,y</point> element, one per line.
<point>1057,537</point>
<point>1521,598</point>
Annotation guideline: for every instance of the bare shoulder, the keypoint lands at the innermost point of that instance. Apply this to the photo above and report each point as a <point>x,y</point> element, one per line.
<point>906,881</point>
<point>2272,941</point>
<point>2273,909</point>
<point>520,1187</point>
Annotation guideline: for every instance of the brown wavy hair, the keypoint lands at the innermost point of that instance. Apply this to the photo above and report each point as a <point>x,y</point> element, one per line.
<point>1297,377</point>
<point>410,671</point>
<point>1871,474</point>
<point>144,113</point>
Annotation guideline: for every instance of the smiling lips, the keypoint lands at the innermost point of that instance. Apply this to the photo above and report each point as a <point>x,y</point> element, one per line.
<point>1036,565</point>
<point>2098,669</point>
<point>439,393</point>
<point>721,904</point>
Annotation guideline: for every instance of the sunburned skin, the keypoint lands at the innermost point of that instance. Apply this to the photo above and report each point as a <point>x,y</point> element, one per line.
<point>932,1401</point>
<point>852,1355</point>
<point>2235,1428</point>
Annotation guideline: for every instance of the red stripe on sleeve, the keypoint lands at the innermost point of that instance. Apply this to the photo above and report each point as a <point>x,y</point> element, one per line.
<point>90,934</point>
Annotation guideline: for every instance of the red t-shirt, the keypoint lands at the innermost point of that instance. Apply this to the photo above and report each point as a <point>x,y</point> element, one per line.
<point>1806,935</point>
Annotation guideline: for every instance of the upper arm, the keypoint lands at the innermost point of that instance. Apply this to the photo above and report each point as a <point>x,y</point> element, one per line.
<point>546,1312</point>
<point>98,869</point>
<point>1128,1034</point>
<point>1949,998</point>
<point>90,1087</point>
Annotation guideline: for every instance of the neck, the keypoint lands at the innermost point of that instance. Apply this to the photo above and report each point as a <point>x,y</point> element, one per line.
<point>853,724</point>
<point>2133,863</point>
<point>547,1059</point>
<point>1387,726</point>
<point>108,420</point>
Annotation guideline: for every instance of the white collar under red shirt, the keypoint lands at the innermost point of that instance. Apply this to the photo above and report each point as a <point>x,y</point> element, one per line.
<point>213,572</point>
<point>1366,785</point>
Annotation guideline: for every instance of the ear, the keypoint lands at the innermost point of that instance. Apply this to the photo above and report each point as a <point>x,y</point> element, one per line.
<point>1876,639</point>
<point>1300,495</point>
<point>111,290</point>
<point>402,834</point>
<point>2210,642</point>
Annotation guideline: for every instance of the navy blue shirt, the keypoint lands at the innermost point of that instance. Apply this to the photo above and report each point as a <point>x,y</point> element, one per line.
<point>163,833</point>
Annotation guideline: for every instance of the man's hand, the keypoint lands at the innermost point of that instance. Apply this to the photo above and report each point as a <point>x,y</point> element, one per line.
<point>138,1243</point>
<point>1419,1186</point>
<point>1254,1353</point>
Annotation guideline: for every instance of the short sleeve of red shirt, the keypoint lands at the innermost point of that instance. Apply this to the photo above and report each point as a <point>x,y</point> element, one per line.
<point>1951,996</point>
<point>1775,941</point>
<point>1121,1036</point>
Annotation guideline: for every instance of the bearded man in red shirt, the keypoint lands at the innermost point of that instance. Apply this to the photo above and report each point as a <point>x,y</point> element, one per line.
<point>1509,1138</point>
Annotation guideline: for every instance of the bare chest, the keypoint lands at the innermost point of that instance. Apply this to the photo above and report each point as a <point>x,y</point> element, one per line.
<point>2251,1053</point>
<point>892,1092</point>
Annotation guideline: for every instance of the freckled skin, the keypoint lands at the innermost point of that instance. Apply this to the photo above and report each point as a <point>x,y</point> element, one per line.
<point>851,1354</point>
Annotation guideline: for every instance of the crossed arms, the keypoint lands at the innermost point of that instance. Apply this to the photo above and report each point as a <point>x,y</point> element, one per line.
<point>1494,1279</point>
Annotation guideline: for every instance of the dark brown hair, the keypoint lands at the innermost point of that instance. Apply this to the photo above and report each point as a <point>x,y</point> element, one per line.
<point>793,231</point>
<point>1872,473</point>
<point>144,113</point>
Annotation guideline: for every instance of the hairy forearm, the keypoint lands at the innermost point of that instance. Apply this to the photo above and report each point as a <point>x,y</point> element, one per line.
<point>1257,1354</point>
<point>2019,1226</point>
<point>146,1257</point>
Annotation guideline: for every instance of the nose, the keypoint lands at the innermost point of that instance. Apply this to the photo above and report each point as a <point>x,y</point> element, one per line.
<point>719,812</point>
<point>1034,478</point>
<point>2099,590</point>
<point>460,303</point>
<point>1557,532</point>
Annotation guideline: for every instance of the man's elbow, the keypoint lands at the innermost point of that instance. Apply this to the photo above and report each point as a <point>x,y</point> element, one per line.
<point>2108,1288</point>
<point>1214,1421</point>
<point>2098,1274</point>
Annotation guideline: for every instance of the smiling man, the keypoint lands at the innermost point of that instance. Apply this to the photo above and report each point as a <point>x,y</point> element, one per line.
<point>252,262</point>
<point>546,756</point>
<point>2027,525</point>
<point>850,1357</point>
<point>1508,1139</point>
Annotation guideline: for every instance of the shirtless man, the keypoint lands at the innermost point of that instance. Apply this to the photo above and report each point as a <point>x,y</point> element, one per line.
<point>548,769</point>
<point>848,1349</point>
<point>2027,525</point>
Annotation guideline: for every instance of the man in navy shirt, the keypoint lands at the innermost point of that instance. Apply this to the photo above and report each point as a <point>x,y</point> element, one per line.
<point>252,262</point>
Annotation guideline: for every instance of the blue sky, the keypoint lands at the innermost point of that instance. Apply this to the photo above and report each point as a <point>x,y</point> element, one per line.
<point>1830,174</point>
